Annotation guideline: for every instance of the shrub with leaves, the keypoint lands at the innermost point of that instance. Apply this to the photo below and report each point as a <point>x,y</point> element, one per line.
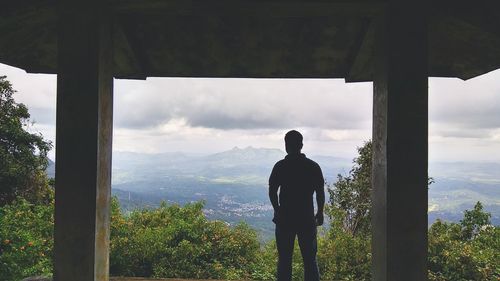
<point>26,240</point>
<point>469,250</point>
<point>174,241</point>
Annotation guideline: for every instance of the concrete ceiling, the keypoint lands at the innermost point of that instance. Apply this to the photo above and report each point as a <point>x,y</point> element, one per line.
<point>254,38</point>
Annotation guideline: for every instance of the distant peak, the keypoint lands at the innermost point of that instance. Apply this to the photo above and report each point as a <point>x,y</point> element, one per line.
<point>246,148</point>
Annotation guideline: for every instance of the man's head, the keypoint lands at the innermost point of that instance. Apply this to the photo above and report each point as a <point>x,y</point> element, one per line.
<point>293,142</point>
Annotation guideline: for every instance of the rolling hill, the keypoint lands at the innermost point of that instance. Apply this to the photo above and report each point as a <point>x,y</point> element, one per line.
<point>233,183</point>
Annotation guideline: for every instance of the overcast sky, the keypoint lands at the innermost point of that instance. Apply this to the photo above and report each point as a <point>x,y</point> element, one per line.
<point>212,115</point>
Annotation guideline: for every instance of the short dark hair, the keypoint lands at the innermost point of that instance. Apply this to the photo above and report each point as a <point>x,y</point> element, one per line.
<point>293,137</point>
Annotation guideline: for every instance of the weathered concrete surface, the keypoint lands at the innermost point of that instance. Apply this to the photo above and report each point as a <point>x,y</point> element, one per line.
<point>83,142</point>
<point>131,279</point>
<point>37,278</point>
<point>156,279</point>
<point>400,146</point>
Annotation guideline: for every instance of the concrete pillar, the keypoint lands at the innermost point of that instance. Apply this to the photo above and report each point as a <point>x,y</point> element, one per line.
<point>83,141</point>
<point>400,145</point>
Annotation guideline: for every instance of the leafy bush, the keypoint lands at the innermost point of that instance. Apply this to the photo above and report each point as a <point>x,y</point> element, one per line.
<point>174,241</point>
<point>343,256</point>
<point>179,242</point>
<point>466,251</point>
<point>26,240</point>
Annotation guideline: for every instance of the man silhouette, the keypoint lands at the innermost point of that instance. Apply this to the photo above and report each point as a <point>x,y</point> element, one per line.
<point>297,178</point>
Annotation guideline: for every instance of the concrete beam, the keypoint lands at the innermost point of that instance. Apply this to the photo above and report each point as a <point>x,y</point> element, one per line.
<point>481,16</point>
<point>126,55</point>
<point>134,44</point>
<point>83,141</point>
<point>400,145</point>
<point>359,61</point>
<point>277,9</point>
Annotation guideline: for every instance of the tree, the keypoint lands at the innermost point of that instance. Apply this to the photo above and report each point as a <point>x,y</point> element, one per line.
<point>350,196</point>
<point>474,220</point>
<point>344,254</point>
<point>350,201</point>
<point>23,155</point>
<point>469,250</point>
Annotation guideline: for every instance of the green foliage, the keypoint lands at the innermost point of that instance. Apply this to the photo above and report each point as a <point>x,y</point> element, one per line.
<point>345,250</point>
<point>23,155</point>
<point>350,201</point>
<point>264,267</point>
<point>26,240</point>
<point>174,241</point>
<point>342,256</point>
<point>466,251</point>
<point>474,220</point>
<point>169,241</point>
<point>179,242</point>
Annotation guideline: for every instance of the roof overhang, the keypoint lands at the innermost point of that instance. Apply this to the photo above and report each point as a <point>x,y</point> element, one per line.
<point>254,38</point>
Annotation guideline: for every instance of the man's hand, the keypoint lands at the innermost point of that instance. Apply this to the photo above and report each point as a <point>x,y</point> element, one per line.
<point>319,218</point>
<point>277,215</point>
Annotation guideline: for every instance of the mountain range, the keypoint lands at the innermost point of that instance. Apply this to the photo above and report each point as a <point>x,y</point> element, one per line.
<point>233,183</point>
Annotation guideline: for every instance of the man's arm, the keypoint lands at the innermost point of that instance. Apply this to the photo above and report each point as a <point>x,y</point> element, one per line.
<point>273,196</point>
<point>274,184</point>
<point>273,192</point>
<point>320,197</point>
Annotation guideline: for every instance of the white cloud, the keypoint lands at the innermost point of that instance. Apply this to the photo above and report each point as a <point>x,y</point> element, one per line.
<point>468,105</point>
<point>207,115</point>
<point>243,103</point>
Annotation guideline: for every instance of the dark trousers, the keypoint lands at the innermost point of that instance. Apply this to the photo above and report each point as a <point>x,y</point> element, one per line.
<point>285,238</point>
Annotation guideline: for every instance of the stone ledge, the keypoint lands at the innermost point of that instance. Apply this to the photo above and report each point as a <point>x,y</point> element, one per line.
<point>125,279</point>
<point>38,278</point>
<point>157,279</point>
